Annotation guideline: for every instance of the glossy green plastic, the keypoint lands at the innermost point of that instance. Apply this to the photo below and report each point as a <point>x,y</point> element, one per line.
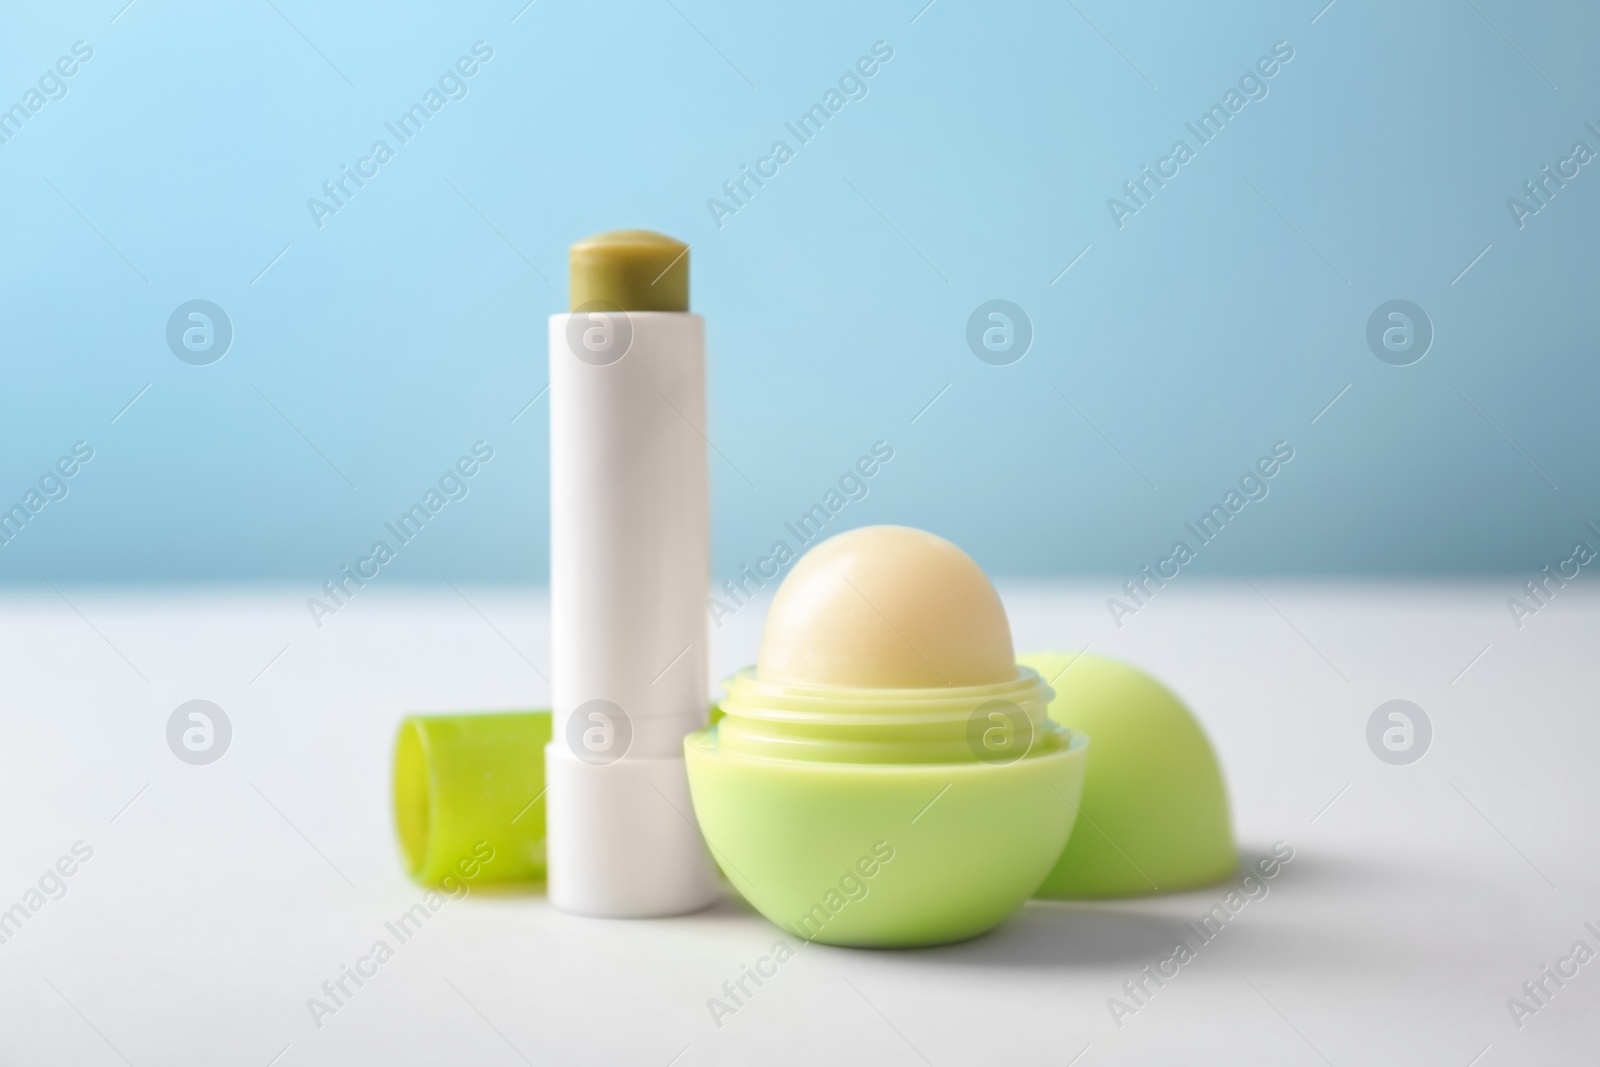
<point>1154,810</point>
<point>846,724</point>
<point>882,854</point>
<point>467,787</point>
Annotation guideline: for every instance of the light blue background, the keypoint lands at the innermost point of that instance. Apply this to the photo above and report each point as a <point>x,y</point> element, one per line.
<point>412,324</point>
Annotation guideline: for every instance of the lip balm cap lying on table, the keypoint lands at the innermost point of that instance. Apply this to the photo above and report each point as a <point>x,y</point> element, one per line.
<point>468,796</point>
<point>629,570</point>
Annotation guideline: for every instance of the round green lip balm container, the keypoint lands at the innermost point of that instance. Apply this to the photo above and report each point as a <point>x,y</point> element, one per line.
<point>887,775</point>
<point>1154,815</point>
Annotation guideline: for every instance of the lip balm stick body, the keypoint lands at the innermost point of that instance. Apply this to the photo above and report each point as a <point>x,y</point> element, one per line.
<point>629,570</point>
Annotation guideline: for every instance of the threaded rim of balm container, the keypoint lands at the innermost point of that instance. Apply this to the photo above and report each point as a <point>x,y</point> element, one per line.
<point>848,724</point>
<point>629,270</point>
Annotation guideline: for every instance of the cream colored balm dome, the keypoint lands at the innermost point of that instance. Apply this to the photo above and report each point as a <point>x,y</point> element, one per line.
<point>886,607</point>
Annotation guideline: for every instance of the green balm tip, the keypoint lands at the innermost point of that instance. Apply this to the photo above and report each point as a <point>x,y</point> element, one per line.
<point>630,270</point>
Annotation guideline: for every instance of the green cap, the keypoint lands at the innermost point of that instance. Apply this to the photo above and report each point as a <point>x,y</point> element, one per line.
<point>629,270</point>
<point>469,796</point>
<point>1154,806</point>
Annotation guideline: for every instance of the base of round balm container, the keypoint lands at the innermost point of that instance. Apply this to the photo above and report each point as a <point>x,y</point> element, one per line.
<point>1155,807</point>
<point>885,855</point>
<point>468,795</point>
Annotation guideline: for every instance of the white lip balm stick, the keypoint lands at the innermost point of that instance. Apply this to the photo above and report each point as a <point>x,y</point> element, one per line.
<point>629,570</point>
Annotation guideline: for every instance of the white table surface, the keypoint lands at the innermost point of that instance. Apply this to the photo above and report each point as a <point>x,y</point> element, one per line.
<point>220,897</point>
